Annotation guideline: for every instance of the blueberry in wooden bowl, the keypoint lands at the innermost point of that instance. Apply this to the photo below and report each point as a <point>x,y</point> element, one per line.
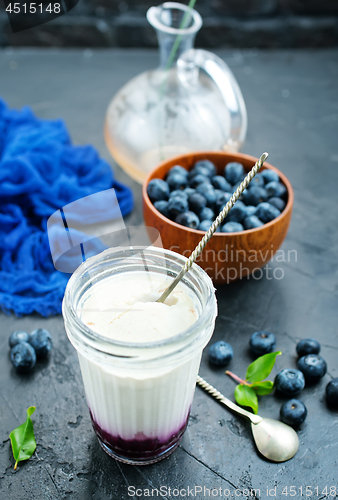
<point>252,232</point>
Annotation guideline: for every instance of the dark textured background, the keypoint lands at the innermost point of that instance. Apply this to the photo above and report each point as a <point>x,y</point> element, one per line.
<point>292,102</point>
<point>227,23</point>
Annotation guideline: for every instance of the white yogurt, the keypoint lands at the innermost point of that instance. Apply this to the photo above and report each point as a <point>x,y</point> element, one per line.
<point>124,308</point>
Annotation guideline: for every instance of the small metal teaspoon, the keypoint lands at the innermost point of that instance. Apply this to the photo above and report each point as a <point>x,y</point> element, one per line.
<point>214,226</point>
<point>276,441</point>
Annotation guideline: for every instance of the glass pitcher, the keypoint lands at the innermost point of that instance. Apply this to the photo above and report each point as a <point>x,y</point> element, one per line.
<point>190,102</point>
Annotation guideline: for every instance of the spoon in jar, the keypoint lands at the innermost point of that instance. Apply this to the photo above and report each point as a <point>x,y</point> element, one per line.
<point>276,441</point>
<point>214,226</point>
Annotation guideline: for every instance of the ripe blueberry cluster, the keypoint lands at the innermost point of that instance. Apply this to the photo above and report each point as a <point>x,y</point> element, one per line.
<point>311,368</point>
<point>194,198</point>
<point>289,381</point>
<point>26,348</point>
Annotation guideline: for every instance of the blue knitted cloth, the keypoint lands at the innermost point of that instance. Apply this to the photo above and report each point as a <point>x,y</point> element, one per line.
<point>40,172</point>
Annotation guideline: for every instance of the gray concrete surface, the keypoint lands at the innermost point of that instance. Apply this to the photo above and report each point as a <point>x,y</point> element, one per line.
<point>292,103</point>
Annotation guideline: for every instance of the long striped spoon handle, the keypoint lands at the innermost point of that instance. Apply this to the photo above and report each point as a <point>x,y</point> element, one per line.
<point>254,419</point>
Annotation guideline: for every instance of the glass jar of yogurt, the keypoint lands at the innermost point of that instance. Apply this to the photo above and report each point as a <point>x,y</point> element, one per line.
<point>139,359</point>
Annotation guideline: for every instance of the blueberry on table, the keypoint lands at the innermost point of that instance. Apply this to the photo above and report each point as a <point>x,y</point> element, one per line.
<point>199,179</point>
<point>206,214</point>
<point>266,212</point>
<point>313,367</point>
<point>17,337</point>
<point>232,227</point>
<point>219,182</point>
<point>233,172</point>
<point>23,357</point>
<point>41,340</point>
<point>251,222</point>
<point>262,342</point>
<point>197,202</point>
<point>157,190</point>
<point>307,346</point>
<point>220,353</point>
<point>177,205</point>
<point>331,392</point>
<point>207,164</point>
<point>276,189</point>
<point>177,181</point>
<point>162,207</point>
<point>177,169</point>
<point>293,412</point>
<point>289,381</point>
<point>255,195</point>
<point>188,219</point>
<point>277,202</point>
<point>269,176</point>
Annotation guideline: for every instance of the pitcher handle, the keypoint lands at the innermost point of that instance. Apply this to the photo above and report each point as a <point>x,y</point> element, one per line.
<point>189,64</point>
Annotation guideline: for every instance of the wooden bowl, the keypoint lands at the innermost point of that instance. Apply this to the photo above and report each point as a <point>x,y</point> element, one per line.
<point>227,256</point>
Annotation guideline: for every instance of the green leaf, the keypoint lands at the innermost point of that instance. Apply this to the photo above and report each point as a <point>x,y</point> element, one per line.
<point>246,396</point>
<point>263,388</point>
<point>23,439</point>
<point>261,367</point>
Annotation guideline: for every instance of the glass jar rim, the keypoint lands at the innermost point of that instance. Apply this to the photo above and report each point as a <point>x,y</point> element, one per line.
<point>91,335</point>
<point>152,16</point>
